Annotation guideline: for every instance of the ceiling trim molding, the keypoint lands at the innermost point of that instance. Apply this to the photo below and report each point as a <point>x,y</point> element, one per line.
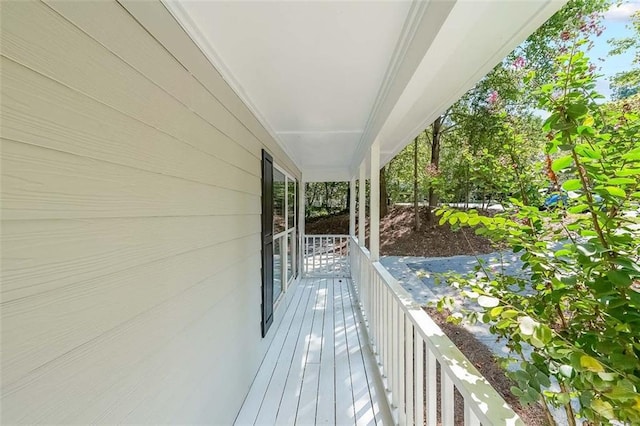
<point>416,21</point>
<point>320,132</point>
<point>544,12</point>
<point>341,174</point>
<point>182,17</point>
<point>409,29</point>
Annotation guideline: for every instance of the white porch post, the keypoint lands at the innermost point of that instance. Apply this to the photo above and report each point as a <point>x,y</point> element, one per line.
<point>374,203</point>
<point>362,203</point>
<point>352,206</point>
<point>301,216</point>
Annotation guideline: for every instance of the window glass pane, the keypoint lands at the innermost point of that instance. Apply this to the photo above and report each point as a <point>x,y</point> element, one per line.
<point>277,267</point>
<point>290,255</point>
<point>279,187</point>
<point>291,195</point>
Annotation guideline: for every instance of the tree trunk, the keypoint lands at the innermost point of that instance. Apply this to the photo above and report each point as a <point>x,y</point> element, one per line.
<point>383,193</point>
<point>348,201</point>
<point>325,203</point>
<point>416,207</point>
<point>435,162</point>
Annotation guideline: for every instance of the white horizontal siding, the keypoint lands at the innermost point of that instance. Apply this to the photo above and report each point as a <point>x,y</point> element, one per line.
<point>130,221</point>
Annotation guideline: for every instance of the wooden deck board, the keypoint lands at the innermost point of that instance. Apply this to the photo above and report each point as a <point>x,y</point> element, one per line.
<point>345,413</point>
<point>255,397</point>
<point>293,388</point>
<point>326,408</point>
<point>316,370</point>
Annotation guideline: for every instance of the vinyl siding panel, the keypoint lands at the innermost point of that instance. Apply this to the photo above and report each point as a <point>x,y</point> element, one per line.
<point>130,220</point>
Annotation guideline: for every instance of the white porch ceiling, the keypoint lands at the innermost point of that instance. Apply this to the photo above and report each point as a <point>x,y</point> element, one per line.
<point>326,78</point>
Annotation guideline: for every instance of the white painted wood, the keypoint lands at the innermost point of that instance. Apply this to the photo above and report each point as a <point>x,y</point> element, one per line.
<point>395,89</point>
<point>352,206</point>
<point>402,368</point>
<point>392,367</point>
<point>447,401</point>
<point>277,384</point>
<point>470,419</point>
<point>362,205</point>
<point>302,188</point>
<point>327,256</point>
<point>374,201</point>
<point>368,392</point>
<point>293,388</point>
<point>254,398</point>
<point>419,379</point>
<point>355,397</point>
<point>409,376</point>
<point>344,389</point>
<point>397,305</point>
<point>309,395</point>
<point>325,410</point>
<point>431,406</point>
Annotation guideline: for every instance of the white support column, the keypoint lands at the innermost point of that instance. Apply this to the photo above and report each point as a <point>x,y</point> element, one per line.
<point>374,203</point>
<point>352,206</point>
<point>301,216</point>
<point>362,204</point>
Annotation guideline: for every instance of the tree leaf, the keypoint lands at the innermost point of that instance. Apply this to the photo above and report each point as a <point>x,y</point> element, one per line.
<point>561,163</point>
<point>488,301</point>
<point>587,249</point>
<point>619,278</point>
<point>572,185</point>
<point>577,110</point>
<point>615,191</point>
<point>621,181</point>
<point>591,364</point>
<point>527,325</point>
<point>603,408</point>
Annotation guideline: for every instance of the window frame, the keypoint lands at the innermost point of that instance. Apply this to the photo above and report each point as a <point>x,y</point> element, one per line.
<point>284,235</point>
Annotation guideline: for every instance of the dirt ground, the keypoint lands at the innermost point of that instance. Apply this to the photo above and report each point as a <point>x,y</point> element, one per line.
<point>398,238</point>
<point>483,359</point>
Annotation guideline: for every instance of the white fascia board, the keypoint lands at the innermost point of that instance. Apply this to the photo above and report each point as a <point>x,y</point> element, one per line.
<point>422,26</point>
<point>327,175</point>
<point>416,108</point>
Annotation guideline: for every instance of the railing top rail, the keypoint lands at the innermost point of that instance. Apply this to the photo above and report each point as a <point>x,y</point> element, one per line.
<point>488,405</point>
<point>327,235</point>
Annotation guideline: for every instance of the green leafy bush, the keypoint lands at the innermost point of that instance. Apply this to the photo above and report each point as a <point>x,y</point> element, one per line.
<point>578,308</point>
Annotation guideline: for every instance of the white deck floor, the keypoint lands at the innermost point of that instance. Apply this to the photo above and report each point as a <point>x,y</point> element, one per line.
<point>318,369</point>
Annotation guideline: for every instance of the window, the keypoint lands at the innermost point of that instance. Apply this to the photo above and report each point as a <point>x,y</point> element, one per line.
<point>277,268</point>
<point>290,251</point>
<point>291,204</point>
<point>279,197</point>
<point>284,230</point>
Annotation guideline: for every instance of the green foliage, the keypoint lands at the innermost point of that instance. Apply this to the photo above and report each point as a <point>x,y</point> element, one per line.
<point>326,198</point>
<point>627,83</point>
<point>578,309</point>
<point>400,172</point>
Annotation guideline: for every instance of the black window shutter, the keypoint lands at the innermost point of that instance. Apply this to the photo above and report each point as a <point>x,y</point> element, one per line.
<point>267,242</point>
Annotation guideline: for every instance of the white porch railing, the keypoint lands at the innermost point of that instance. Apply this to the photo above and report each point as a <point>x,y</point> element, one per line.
<point>326,256</point>
<point>409,346</point>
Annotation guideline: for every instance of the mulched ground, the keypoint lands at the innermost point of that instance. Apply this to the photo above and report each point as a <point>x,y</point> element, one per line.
<point>398,238</point>
<point>484,360</point>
